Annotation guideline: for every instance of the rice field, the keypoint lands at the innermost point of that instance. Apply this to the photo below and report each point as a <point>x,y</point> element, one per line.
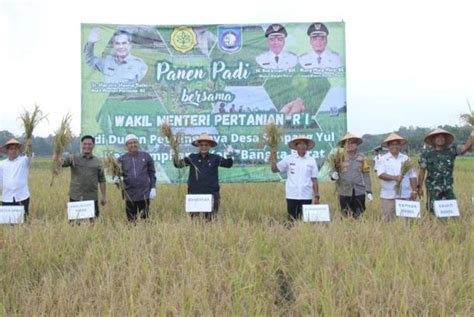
<point>247,263</point>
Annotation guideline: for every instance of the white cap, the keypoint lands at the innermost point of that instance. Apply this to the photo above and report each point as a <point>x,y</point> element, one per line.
<point>130,137</point>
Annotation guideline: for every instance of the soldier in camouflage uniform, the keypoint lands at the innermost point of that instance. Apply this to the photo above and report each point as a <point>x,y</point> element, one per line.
<point>353,180</point>
<point>438,160</point>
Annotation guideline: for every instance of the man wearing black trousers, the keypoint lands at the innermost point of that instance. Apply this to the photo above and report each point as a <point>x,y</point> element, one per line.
<point>138,171</point>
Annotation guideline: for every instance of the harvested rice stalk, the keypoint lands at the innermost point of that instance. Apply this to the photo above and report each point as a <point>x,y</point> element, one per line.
<point>62,138</point>
<point>272,136</point>
<point>111,165</point>
<point>113,168</point>
<point>468,118</point>
<point>407,166</point>
<point>336,160</point>
<point>30,120</point>
<point>167,131</point>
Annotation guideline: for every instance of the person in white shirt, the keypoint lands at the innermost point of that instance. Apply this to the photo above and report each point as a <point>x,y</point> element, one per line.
<point>389,169</point>
<point>321,57</point>
<point>302,177</point>
<point>376,155</point>
<point>14,175</point>
<point>276,57</point>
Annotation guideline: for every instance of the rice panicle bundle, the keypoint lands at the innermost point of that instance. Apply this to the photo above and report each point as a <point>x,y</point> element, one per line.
<point>468,118</point>
<point>62,138</point>
<point>336,160</point>
<point>113,168</point>
<point>272,137</point>
<point>167,131</point>
<point>111,165</point>
<point>406,167</point>
<point>30,120</point>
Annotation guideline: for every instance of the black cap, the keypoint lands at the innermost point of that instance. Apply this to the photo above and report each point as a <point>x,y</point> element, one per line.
<point>276,29</point>
<point>317,29</point>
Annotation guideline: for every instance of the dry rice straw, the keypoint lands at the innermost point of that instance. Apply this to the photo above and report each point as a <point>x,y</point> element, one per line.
<point>62,138</point>
<point>272,137</point>
<point>404,169</point>
<point>468,118</point>
<point>30,120</point>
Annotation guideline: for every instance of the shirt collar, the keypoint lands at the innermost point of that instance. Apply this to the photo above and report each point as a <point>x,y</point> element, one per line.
<point>353,156</point>
<point>273,54</point>
<point>400,155</point>
<point>296,155</point>
<point>445,147</point>
<point>324,53</point>
<point>124,61</point>
<point>87,156</point>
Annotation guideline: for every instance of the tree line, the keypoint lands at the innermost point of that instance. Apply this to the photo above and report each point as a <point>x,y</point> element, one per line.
<point>415,137</point>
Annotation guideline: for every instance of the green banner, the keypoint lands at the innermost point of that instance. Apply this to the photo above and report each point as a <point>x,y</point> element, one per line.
<point>226,80</point>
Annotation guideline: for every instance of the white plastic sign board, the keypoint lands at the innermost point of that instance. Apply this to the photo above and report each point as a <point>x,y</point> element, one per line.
<point>199,203</point>
<point>12,214</point>
<point>316,213</point>
<point>446,208</point>
<point>407,208</point>
<point>80,210</point>
<point>472,200</point>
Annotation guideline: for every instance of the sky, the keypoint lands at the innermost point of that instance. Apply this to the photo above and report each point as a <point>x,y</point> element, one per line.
<point>409,63</point>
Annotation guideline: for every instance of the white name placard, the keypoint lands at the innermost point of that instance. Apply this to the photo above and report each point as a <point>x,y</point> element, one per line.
<point>407,208</point>
<point>472,200</point>
<point>80,210</point>
<point>446,208</point>
<point>12,214</point>
<point>316,213</point>
<point>199,203</point>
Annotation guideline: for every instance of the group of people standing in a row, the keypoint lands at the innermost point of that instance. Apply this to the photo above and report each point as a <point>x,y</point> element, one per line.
<point>437,162</point>
<point>352,178</point>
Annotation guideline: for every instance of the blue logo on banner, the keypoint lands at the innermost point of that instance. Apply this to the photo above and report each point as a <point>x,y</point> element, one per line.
<point>230,38</point>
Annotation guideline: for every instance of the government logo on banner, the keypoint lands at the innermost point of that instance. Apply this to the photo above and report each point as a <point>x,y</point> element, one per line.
<point>230,39</point>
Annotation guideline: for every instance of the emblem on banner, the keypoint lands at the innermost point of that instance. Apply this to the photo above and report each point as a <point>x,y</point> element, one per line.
<point>230,39</point>
<point>183,39</point>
